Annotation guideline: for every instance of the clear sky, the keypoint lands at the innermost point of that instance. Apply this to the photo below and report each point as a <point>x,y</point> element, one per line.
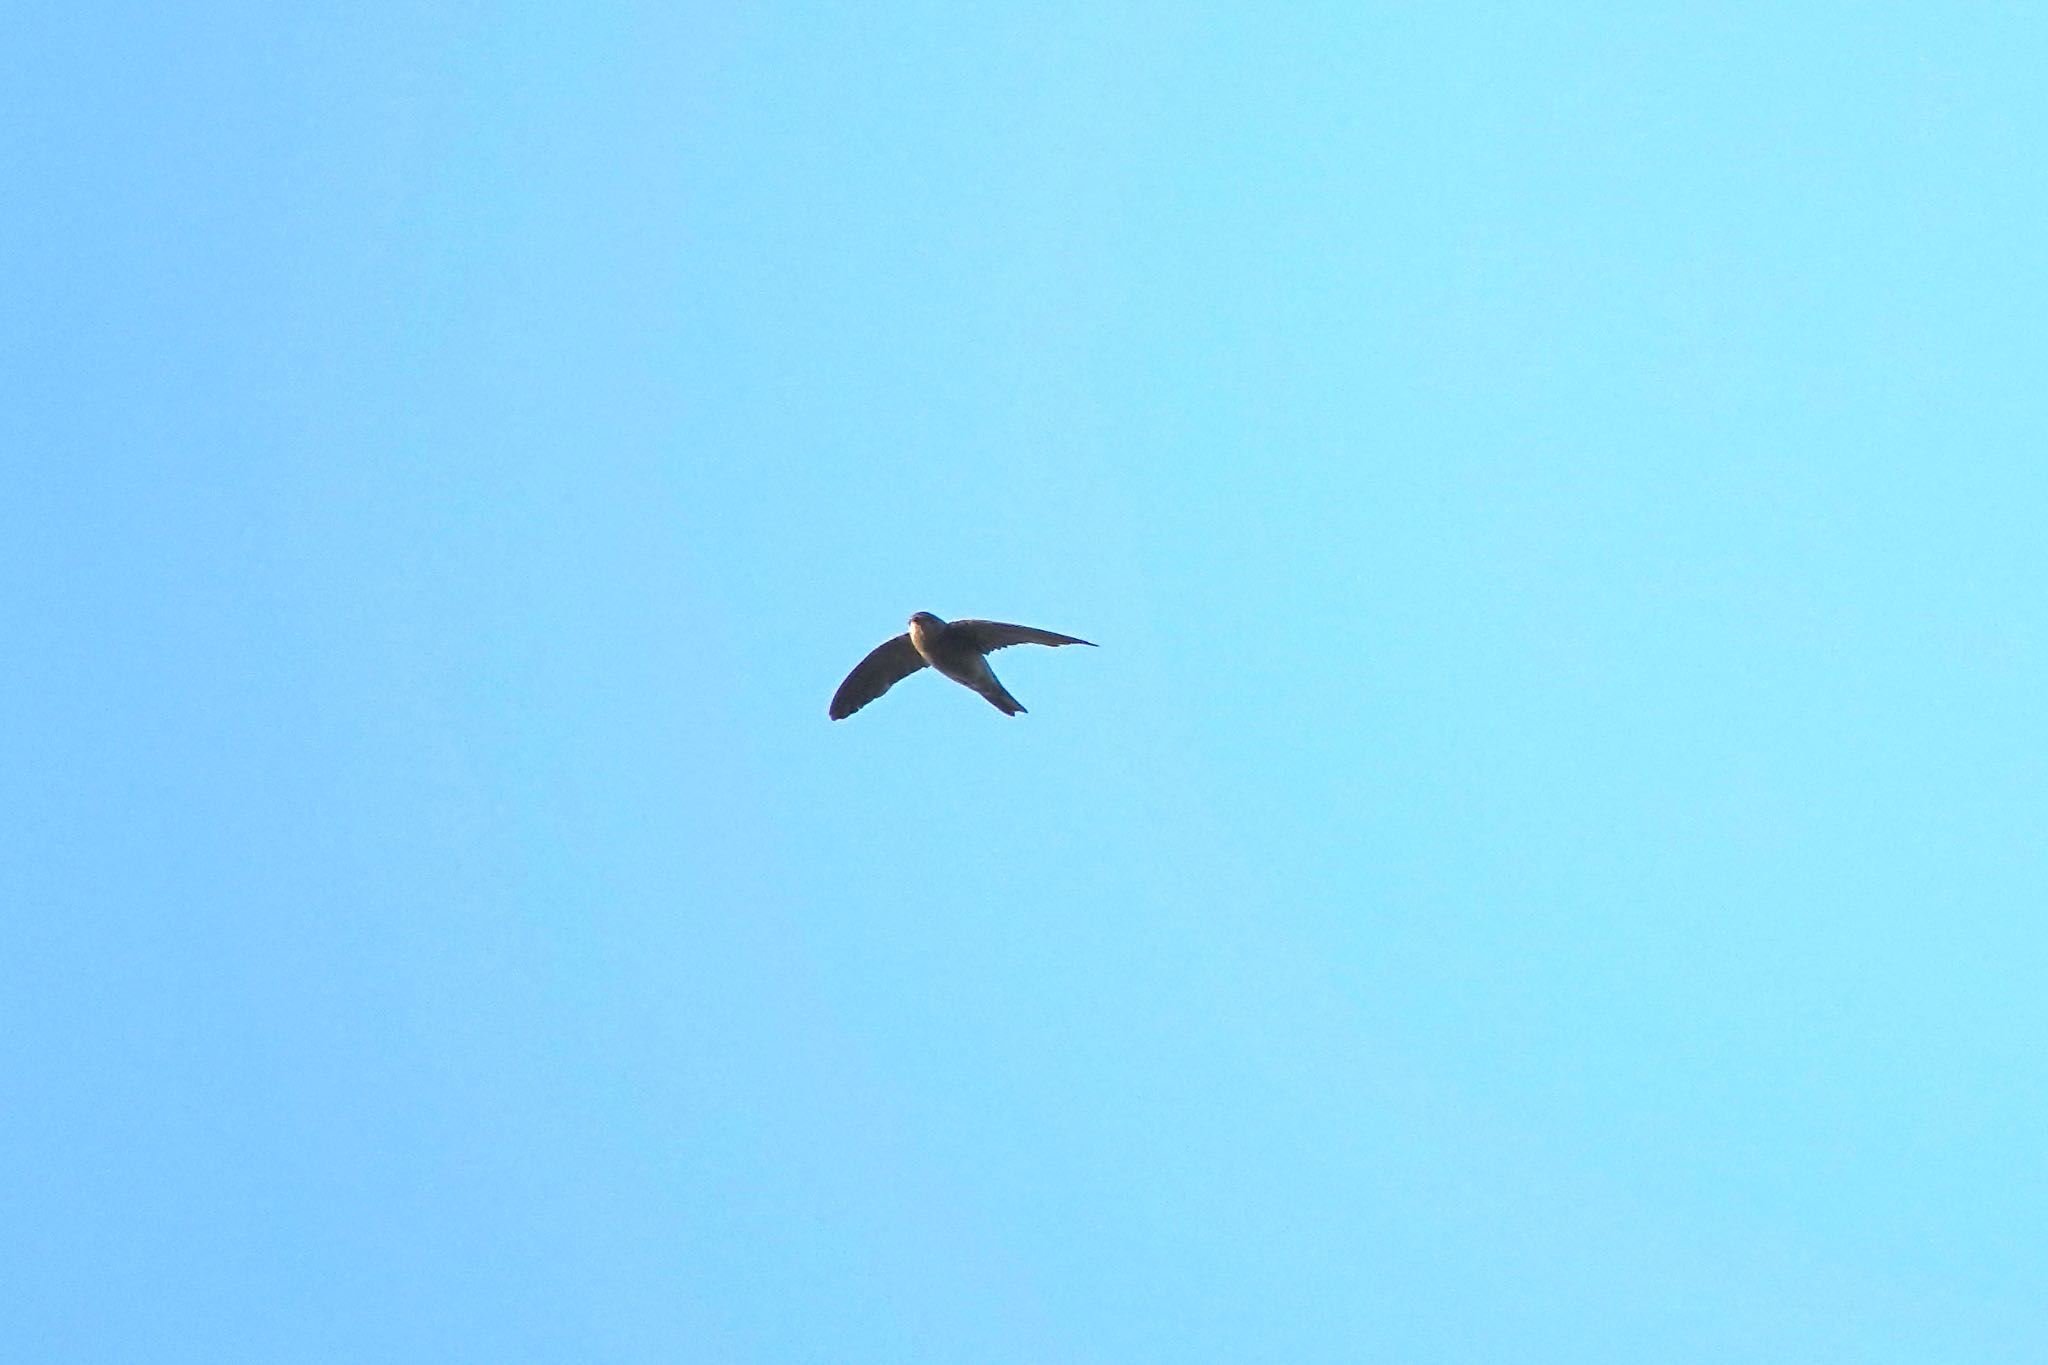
<point>1547,864</point>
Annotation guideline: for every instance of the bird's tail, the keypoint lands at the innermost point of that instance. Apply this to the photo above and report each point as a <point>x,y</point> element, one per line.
<point>999,696</point>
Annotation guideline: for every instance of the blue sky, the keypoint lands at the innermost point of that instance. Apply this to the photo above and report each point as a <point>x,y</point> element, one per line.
<point>1546,865</point>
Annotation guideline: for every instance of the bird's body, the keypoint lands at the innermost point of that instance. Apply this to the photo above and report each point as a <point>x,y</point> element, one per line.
<point>948,650</point>
<point>957,649</point>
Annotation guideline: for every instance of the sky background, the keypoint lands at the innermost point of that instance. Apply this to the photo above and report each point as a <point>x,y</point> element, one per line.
<point>1546,865</point>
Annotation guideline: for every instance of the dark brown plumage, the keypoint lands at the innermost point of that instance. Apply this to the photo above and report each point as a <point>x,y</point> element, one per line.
<point>958,649</point>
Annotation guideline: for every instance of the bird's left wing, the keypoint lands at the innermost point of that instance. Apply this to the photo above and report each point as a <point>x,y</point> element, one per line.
<point>988,635</point>
<point>886,665</point>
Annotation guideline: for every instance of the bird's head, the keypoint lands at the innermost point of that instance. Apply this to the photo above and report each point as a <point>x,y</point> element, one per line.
<point>927,620</point>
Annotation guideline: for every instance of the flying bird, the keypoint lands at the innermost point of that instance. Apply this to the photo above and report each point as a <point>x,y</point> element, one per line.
<point>958,649</point>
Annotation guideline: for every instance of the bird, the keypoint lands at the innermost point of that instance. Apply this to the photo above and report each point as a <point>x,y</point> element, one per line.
<point>958,649</point>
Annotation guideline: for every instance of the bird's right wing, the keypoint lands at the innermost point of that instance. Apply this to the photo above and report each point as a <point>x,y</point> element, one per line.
<point>987,635</point>
<point>887,665</point>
